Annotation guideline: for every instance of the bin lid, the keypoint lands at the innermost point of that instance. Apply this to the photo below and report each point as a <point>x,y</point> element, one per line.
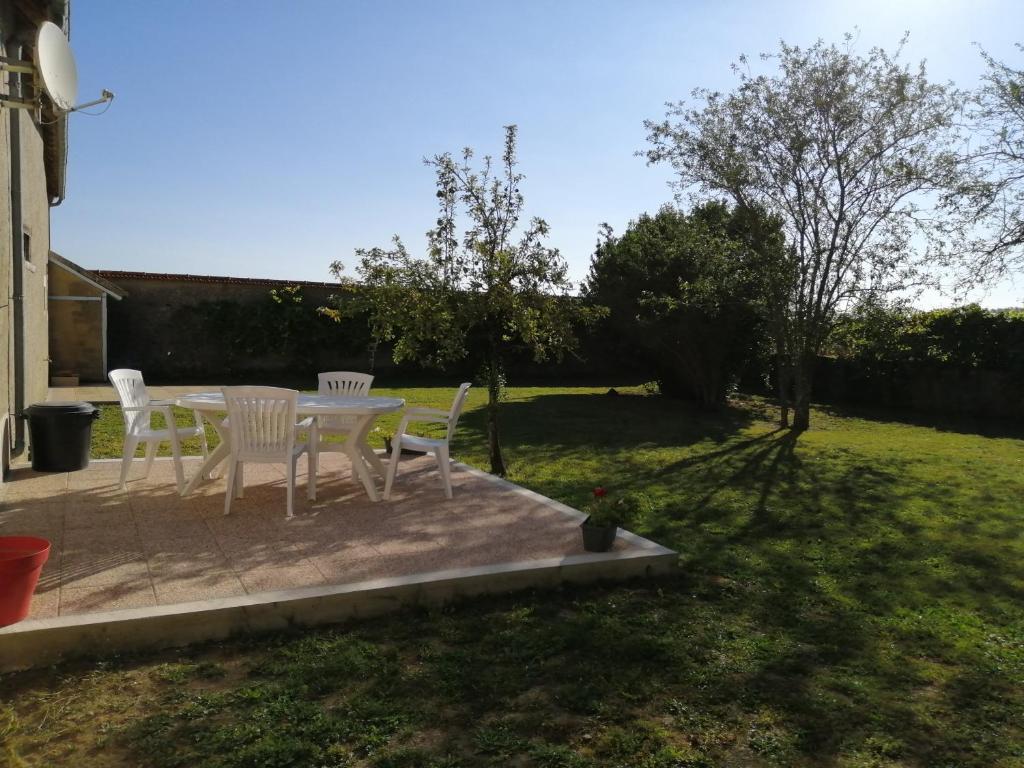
<point>60,407</point>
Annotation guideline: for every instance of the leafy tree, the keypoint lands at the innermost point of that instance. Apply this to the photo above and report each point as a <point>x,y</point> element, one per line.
<point>849,152</point>
<point>996,202</point>
<point>495,290</point>
<point>872,331</point>
<point>689,292</point>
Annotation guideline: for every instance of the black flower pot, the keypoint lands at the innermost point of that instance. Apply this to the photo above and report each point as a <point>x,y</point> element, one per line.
<point>598,538</point>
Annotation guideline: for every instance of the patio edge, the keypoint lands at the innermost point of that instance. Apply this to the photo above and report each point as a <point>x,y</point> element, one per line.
<point>43,642</point>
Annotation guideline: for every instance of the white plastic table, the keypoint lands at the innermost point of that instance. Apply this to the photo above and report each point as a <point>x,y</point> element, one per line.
<point>365,409</point>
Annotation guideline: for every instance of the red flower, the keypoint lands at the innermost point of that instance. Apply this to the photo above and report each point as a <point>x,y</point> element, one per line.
<point>600,493</point>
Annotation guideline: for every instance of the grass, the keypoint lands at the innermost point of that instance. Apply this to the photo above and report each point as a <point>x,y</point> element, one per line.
<point>850,597</point>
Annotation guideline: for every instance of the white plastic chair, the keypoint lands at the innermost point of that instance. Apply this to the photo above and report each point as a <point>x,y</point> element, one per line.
<point>263,431</point>
<point>437,446</point>
<point>338,384</point>
<point>138,409</point>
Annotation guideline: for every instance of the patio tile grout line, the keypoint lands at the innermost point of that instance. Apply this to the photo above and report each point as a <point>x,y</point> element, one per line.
<point>145,556</point>
<point>63,538</point>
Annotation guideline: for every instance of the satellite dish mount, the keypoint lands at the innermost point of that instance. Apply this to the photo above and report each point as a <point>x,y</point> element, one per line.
<point>53,72</point>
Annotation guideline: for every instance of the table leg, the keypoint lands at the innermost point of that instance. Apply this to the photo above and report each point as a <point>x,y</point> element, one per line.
<point>369,455</point>
<point>373,459</point>
<point>217,455</point>
<point>313,459</point>
<point>356,448</point>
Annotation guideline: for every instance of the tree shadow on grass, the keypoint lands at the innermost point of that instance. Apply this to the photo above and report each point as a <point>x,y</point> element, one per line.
<point>563,445</point>
<point>834,556</point>
<point>574,421</point>
<point>852,587</point>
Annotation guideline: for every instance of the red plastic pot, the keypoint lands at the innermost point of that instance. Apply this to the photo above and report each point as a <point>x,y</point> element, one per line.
<point>21,560</point>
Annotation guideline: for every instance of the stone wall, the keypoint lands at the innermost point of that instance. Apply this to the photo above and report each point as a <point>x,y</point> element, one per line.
<point>76,328</point>
<point>164,328</point>
<point>922,388</point>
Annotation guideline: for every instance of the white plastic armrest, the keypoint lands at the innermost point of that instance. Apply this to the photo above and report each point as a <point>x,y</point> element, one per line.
<point>421,416</point>
<point>425,414</point>
<point>150,407</point>
<point>155,406</point>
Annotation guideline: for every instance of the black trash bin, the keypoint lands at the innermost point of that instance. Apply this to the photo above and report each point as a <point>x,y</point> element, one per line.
<point>60,435</point>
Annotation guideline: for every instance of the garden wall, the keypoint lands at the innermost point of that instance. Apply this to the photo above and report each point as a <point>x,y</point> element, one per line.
<point>958,361</point>
<point>921,387</point>
<point>76,326</point>
<point>200,328</point>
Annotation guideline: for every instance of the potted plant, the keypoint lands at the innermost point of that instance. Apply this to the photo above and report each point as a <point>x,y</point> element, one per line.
<point>604,516</point>
<point>21,561</point>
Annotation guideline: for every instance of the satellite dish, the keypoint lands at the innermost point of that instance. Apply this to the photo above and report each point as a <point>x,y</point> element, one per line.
<point>53,71</point>
<point>55,64</point>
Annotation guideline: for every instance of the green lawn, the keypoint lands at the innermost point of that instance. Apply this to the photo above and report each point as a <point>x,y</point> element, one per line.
<point>853,597</point>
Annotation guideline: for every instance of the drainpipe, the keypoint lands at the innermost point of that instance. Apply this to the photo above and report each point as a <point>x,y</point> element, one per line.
<point>18,258</point>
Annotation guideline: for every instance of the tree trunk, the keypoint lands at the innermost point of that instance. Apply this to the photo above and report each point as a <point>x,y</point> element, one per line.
<point>801,413</point>
<point>802,394</point>
<point>493,400</point>
<point>784,377</point>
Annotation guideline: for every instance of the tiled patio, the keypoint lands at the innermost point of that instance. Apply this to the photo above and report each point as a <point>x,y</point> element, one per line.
<point>147,546</point>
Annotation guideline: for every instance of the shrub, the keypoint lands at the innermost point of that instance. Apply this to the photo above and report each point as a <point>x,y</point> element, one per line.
<point>685,293</point>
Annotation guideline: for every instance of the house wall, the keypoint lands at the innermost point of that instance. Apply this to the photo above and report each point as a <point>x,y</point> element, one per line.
<point>29,187</point>
<point>6,247</point>
<point>76,327</point>
<point>36,220</point>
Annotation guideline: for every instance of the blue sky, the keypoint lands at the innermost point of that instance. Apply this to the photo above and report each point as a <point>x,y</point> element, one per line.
<point>268,139</point>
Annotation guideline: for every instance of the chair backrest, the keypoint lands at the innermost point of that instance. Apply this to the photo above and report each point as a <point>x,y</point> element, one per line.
<point>342,384</point>
<point>456,410</point>
<point>262,422</point>
<point>131,391</point>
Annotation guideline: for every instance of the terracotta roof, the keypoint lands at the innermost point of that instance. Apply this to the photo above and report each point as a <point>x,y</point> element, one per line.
<point>113,274</point>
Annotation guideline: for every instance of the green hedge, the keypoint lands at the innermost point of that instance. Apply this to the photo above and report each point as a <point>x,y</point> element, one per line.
<point>964,360</point>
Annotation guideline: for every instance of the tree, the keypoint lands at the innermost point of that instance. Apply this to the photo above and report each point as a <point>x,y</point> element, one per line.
<point>850,153</point>
<point>996,202</point>
<point>495,290</point>
<point>688,292</point>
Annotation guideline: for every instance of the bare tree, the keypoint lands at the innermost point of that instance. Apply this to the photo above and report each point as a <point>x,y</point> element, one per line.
<point>994,204</point>
<point>852,153</point>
